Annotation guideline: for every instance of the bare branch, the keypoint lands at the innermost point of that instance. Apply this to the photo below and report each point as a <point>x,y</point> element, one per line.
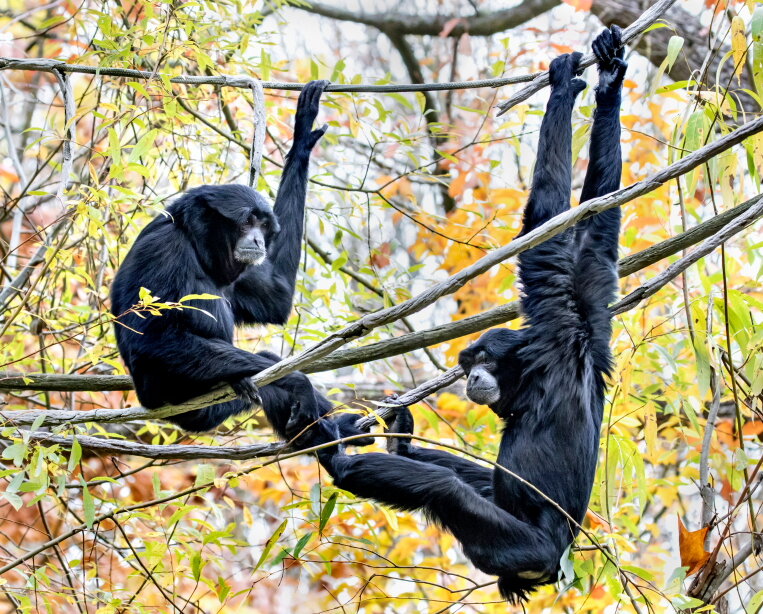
<point>646,19</point>
<point>481,24</point>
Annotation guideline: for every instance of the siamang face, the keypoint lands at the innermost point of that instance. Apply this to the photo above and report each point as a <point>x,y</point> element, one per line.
<point>493,367</point>
<point>246,219</point>
<point>255,235</point>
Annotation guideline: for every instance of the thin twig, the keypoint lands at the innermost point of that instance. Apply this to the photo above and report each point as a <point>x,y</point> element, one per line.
<point>646,19</point>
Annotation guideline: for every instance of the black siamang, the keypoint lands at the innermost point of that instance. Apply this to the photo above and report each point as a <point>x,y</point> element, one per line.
<point>546,381</point>
<point>226,241</point>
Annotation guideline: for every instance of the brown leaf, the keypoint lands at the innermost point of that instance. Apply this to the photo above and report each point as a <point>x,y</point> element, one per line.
<point>692,547</point>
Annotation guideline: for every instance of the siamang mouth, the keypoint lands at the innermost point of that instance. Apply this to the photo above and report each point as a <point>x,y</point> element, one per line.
<point>250,256</point>
<point>483,396</point>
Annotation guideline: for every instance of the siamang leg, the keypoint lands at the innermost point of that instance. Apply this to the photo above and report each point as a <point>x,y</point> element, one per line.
<point>497,542</point>
<point>545,270</point>
<point>293,407</point>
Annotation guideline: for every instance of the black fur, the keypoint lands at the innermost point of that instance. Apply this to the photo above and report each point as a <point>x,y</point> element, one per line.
<point>182,354</point>
<point>550,375</point>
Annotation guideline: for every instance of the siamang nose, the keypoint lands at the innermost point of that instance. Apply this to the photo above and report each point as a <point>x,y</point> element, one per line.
<point>474,379</point>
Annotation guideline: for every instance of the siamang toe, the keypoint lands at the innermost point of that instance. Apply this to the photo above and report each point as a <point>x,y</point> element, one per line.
<point>401,423</point>
<point>246,390</point>
<point>346,424</point>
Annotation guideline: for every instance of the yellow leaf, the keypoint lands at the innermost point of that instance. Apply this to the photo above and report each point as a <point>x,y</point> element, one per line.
<point>738,44</point>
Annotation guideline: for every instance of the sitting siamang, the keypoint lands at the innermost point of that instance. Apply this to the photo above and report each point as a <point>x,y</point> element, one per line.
<point>546,381</point>
<point>226,241</point>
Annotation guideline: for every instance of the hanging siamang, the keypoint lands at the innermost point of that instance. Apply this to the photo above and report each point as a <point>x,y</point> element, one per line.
<point>546,381</point>
<point>226,241</point>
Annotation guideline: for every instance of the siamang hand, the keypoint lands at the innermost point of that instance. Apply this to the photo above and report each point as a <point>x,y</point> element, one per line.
<point>562,73</point>
<point>402,423</point>
<point>246,390</point>
<point>307,110</point>
<point>609,52</point>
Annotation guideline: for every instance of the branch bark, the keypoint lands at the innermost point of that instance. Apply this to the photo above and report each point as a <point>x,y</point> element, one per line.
<point>646,19</point>
<point>481,24</point>
<point>696,43</point>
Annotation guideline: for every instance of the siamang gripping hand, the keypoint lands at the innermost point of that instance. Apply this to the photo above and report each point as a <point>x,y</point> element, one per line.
<point>562,73</point>
<point>609,52</point>
<point>308,105</point>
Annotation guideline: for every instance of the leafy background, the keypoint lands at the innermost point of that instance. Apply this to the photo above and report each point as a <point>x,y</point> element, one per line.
<point>405,189</point>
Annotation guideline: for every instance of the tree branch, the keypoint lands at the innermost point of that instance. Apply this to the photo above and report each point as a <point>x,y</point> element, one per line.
<point>58,418</point>
<point>481,24</point>
<point>646,19</point>
<point>399,345</point>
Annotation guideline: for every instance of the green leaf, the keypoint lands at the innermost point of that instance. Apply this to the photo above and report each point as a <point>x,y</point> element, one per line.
<point>301,544</point>
<point>327,510</point>
<point>16,452</point>
<point>197,564</point>
<point>755,604</point>
<point>205,474</point>
<point>75,454</point>
<point>115,148</point>
<point>270,543</point>
<point>757,66</point>
<point>13,499</point>
<point>88,505</point>
<point>38,422</point>
<point>756,25</point>
<point>674,48</point>
<point>145,143</point>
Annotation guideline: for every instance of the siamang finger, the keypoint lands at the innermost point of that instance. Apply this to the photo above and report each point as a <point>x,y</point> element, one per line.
<point>599,52</point>
<point>316,135</point>
<point>620,67</point>
<point>575,57</point>
<point>617,41</point>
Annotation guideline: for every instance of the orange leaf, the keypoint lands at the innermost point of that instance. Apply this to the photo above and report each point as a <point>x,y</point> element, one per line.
<point>692,547</point>
<point>580,5</point>
<point>596,520</point>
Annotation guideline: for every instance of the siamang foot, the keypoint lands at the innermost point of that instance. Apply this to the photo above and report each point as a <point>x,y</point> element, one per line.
<point>307,110</point>
<point>563,71</point>
<point>246,390</point>
<point>306,427</point>
<point>345,422</point>
<point>401,423</point>
<point>609,51</point>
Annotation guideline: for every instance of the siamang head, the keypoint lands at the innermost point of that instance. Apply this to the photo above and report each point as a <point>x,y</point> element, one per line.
<point>494,368</point>
<point>231,227</point>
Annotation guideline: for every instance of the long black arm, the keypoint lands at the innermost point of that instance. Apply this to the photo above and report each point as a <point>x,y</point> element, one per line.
<point>597,238</point>
<point>264,293</point>
<point>545,270</point>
